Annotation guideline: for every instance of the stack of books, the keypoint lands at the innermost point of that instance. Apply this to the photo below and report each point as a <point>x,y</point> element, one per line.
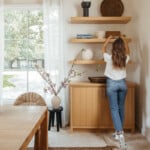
<point>85,36</point>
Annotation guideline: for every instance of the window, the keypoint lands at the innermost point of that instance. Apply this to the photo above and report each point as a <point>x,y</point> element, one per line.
<point>23,48</point>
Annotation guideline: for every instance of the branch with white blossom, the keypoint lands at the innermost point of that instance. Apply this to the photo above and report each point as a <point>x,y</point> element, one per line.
<point>51,86</point>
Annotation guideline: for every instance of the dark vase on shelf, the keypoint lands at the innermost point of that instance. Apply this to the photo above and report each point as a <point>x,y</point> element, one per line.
<point>85,5</point>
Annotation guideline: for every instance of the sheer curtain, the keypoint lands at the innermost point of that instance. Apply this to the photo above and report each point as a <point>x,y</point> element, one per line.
<point>53,44</point>
<point>1,48</point>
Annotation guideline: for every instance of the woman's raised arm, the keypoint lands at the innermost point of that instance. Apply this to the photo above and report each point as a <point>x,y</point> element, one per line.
<point>106,43</point>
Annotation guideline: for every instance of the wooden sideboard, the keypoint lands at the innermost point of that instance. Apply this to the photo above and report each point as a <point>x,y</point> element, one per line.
<point>89,108</point>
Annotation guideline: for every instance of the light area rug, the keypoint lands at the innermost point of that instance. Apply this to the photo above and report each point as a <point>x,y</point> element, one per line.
<point>74,140</point>
<point>66,138</point>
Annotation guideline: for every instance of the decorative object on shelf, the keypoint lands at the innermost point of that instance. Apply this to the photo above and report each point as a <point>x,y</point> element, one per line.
<point>87,54</point>
<point>84,36</point>
<point>115,34</point>
<point>85,4</point>
<point>97,79</point>
<point>55,101</point>
<point>51,87</point>
<point>100,34</point>
<point>111,8</point>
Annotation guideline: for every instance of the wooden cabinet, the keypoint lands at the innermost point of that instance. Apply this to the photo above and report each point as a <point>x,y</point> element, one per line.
<point>89,108</point>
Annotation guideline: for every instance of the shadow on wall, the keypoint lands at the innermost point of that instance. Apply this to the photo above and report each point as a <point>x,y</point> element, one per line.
<point>135,74</point>
<point>135,56</point>
<point>142,91</point>
<point>139,71</point>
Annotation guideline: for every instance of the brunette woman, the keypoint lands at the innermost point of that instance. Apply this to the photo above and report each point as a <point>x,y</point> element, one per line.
<point>116,86</point>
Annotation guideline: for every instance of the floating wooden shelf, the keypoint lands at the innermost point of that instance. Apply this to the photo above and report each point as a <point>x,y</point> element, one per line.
<point>101,20</point>
<point>87,62</point>
<point>91,62</point>
<point>96,20</point>
<point>93,40</point>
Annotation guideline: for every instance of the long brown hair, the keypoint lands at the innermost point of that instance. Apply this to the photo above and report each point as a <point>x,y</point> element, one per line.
<point>118,54</point>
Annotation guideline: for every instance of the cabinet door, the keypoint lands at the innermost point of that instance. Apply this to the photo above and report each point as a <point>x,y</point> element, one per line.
<point>89,107</point>
<point>129,110</point>
<point>85,107</point>
<point>106,120</point>
<point>105,114</point>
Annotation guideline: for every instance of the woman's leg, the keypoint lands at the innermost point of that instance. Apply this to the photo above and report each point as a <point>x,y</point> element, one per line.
<point>112,93</point>
<point>121,100</point>
<point>116,99</point>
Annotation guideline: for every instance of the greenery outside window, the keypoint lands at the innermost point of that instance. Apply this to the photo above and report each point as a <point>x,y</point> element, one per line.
<point>23,48</point>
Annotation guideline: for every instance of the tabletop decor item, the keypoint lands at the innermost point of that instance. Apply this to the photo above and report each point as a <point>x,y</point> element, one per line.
<point>51,86</point>
<point>100,34</point>
<point>87,54</point>
<point>85,4</point>
<point>111,8</point>
<point>114,34</point>
<point>101,79</point>
<point>84,36</point>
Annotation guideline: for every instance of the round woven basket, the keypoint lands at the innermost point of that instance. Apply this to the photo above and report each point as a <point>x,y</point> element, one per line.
<point>111,8</point>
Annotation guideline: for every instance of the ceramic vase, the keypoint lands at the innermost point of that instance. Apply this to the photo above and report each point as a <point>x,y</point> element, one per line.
<point>55,101</point>
<point>86,5</point>
<point>87,54</point>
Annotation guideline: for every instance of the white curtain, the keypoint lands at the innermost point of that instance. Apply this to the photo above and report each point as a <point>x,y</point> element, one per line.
<point>1,48</point>
<point>54,51</point>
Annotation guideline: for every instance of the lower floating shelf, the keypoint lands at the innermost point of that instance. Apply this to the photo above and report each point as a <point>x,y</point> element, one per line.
<point>90,62</point>
<point>87,62</point>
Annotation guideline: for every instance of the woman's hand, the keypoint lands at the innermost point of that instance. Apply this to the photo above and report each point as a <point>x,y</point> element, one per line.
<point>110,37</point>
<point>106,43</point>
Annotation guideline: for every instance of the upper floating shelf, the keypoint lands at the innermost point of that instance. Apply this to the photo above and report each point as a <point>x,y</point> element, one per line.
<point>101,20</point>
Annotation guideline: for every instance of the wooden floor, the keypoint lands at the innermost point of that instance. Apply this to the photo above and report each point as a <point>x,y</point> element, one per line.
<point>66,140</point>
<point>81,148</point>
<point>77,148</point>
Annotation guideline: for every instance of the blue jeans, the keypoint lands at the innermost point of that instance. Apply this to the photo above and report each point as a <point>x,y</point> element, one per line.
<point>116,92</point>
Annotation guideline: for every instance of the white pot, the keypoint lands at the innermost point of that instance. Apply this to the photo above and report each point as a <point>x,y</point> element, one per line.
<point>55,101</point>
<point>100,34</point>
<point>87,54</point>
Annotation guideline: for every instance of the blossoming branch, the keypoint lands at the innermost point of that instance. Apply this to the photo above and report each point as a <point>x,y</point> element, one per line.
<point>52,86</point>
